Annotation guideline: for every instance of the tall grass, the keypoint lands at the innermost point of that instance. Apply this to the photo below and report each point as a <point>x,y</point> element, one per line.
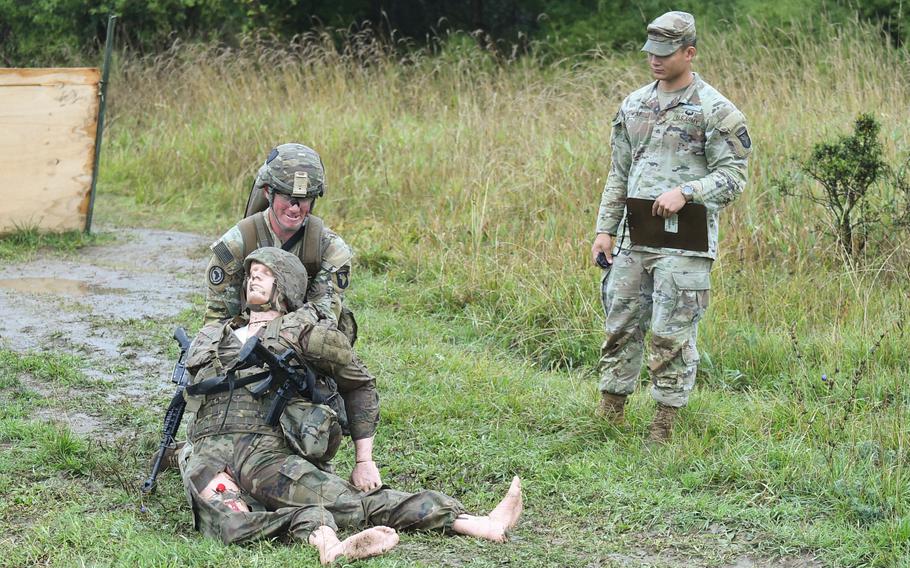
<point>475,182</point>
<point>480,180</point>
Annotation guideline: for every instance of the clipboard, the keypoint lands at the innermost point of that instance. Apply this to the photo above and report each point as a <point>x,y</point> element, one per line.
<point>649,230</point>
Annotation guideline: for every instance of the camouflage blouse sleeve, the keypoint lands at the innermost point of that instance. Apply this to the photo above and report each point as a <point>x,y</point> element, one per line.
<point>322,296</point>
<point>727,149</point>
<point>328,350</point>
<point>224,278</point>
<point>613,199</point>
<point>326,289</point>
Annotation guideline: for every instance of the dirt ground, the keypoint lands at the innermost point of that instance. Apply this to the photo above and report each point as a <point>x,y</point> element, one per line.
<point>93,305</point>
<point>82,304</point>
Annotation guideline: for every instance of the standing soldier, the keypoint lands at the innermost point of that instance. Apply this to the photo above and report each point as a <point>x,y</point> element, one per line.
<point>279,214</point>
<point>676,141</point>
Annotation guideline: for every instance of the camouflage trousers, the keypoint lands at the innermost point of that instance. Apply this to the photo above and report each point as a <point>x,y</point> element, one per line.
<point>288,494</point>
<point>667,294</point>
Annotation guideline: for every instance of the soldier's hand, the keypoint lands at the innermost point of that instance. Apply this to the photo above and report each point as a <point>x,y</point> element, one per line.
<point>365,476</point>
<point>669,203</point>
<point>603,243</point>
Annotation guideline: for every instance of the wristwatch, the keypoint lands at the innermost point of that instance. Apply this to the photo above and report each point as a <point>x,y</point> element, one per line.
<point>688,192</point>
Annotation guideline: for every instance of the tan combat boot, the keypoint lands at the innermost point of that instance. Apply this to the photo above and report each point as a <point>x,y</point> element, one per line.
<point>612,407</point>
<point>662,425</point>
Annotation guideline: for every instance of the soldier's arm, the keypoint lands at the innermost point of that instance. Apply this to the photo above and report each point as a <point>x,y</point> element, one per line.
<point>328,350</point>
<point>322,296</point>
<point>222,298</point>
<point>727,149</point>
<point>326,289</point>
<point>224,278</point>
<point>613,198</point>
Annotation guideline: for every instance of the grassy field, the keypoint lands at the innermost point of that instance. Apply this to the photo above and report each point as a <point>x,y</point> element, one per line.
<point>468,188</point>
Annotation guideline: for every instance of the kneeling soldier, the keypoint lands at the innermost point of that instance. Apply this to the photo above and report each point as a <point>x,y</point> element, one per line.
<point>246,478</point>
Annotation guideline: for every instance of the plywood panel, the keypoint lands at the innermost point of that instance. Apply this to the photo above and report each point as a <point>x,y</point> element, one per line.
<point>48,119</point>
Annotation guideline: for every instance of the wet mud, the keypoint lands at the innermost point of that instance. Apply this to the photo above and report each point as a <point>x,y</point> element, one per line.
<point>104,304</point>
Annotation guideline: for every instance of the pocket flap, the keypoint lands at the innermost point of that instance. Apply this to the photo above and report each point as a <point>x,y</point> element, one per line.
<point>692,281</point>
<point>295,467</point>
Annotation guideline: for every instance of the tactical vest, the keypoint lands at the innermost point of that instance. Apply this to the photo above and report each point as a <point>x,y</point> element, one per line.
<point>256,235</point>
<point>233,411</point>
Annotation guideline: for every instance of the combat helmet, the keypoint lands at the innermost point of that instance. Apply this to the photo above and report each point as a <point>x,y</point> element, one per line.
<point>293,169</point>
<point>289,292</point>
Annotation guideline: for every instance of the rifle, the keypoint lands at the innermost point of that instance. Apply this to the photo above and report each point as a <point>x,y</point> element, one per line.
<point>175,409</point>
<point>283,373</point>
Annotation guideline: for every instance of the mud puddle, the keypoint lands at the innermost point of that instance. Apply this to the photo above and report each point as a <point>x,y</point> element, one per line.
<point>105,304</point>
<point>55,286</point>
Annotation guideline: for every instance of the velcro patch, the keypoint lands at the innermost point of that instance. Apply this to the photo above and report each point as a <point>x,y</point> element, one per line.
<point>342,278</point>
<point>216,275</point>
<point>222,252</point>
<point>743,136</point>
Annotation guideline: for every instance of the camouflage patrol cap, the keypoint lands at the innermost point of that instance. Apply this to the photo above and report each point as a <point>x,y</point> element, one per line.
<point>293,169</point>
<point>669,32</point>
<point>290,276</point>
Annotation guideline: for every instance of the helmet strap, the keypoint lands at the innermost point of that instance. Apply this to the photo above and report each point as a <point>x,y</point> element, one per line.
<point>260,307</point>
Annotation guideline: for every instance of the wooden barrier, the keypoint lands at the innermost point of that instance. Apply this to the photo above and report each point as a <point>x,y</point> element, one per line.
<point>48,124</point>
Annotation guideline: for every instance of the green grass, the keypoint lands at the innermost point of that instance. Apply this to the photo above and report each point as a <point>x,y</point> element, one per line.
<point>24,243</point>
<point>48,368</point>
<point>462,416</point>
<point>469,192</point>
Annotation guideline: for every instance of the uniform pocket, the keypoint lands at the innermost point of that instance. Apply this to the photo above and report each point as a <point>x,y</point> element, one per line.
<point>328,344</point>
<point>686,131</point>
<point>312,430</point>
<point>693,291</point>
<point>690,354</point>
<point>604,301</point>
<point>295,467</point>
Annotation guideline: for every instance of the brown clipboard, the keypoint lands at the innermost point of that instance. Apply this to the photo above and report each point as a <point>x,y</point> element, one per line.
<point>648,230</point>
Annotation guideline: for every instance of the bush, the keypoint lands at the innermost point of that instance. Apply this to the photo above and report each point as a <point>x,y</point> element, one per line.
<point>859,189</point>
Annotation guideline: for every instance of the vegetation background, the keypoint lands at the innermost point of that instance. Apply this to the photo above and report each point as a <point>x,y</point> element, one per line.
<point>56,31</point>
<point>466,170</point>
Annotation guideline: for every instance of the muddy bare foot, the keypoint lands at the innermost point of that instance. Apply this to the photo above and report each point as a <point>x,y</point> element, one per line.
<point>501,519</point>
<point>370,542</point>
<point>510,508</point>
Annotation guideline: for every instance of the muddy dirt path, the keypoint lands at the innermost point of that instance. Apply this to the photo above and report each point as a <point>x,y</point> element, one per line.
<point>81,305</point>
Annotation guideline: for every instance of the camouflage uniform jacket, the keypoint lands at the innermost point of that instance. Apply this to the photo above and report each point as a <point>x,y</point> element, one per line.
<point>313,338</point>
<point>699,138</point>
<point>325,290</point>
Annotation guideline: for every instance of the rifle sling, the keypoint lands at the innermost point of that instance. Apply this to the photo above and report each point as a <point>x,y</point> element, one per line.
<point>222,384</point>
<point>295,238</point>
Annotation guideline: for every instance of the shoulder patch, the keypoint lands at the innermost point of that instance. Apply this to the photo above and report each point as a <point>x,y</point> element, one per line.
<point>743,135</point>
<point>222,252</point>
<point>229,251</point>
<point>337,254</point>
<point>342,277</point>
<point>216,275</point>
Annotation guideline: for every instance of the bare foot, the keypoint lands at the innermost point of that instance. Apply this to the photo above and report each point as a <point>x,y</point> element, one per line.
<point>501,519</point>
<point>510,508</point>
<point>370,542</point>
